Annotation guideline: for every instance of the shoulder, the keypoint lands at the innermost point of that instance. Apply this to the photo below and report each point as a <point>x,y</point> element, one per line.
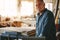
<point>50,13</point>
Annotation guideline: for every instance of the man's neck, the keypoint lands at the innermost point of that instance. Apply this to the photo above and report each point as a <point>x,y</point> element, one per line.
<point>42,12</point>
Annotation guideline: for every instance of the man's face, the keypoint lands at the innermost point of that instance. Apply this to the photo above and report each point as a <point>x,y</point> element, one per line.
<point>40,6</point>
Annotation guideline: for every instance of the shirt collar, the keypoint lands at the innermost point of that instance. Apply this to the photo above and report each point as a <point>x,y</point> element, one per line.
<point>42,12</point>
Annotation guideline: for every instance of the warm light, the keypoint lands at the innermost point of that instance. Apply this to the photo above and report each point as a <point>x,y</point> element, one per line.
<point>8,8</point>
<point>26,8</point>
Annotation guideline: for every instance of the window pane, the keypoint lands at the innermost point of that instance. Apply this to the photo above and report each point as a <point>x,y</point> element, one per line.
<point>26,8</point>
<point>8,8</point>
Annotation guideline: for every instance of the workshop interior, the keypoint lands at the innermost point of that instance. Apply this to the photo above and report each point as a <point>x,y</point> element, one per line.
<point>18,19</point>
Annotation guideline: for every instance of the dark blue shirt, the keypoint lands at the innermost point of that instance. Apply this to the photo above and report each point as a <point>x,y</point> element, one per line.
<point>45,25</point>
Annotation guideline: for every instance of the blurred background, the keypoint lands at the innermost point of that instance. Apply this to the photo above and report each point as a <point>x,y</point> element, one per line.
<point>22,13</point>
<point>22,10</point>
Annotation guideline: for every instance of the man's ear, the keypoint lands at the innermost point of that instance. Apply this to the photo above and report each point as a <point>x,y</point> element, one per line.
<point>44,4</point>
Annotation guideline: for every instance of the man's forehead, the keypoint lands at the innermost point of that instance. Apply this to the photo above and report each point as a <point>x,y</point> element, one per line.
<point>40,0</point>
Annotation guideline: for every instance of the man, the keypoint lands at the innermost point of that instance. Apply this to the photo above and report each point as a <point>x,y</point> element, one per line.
<point>45,23</point>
